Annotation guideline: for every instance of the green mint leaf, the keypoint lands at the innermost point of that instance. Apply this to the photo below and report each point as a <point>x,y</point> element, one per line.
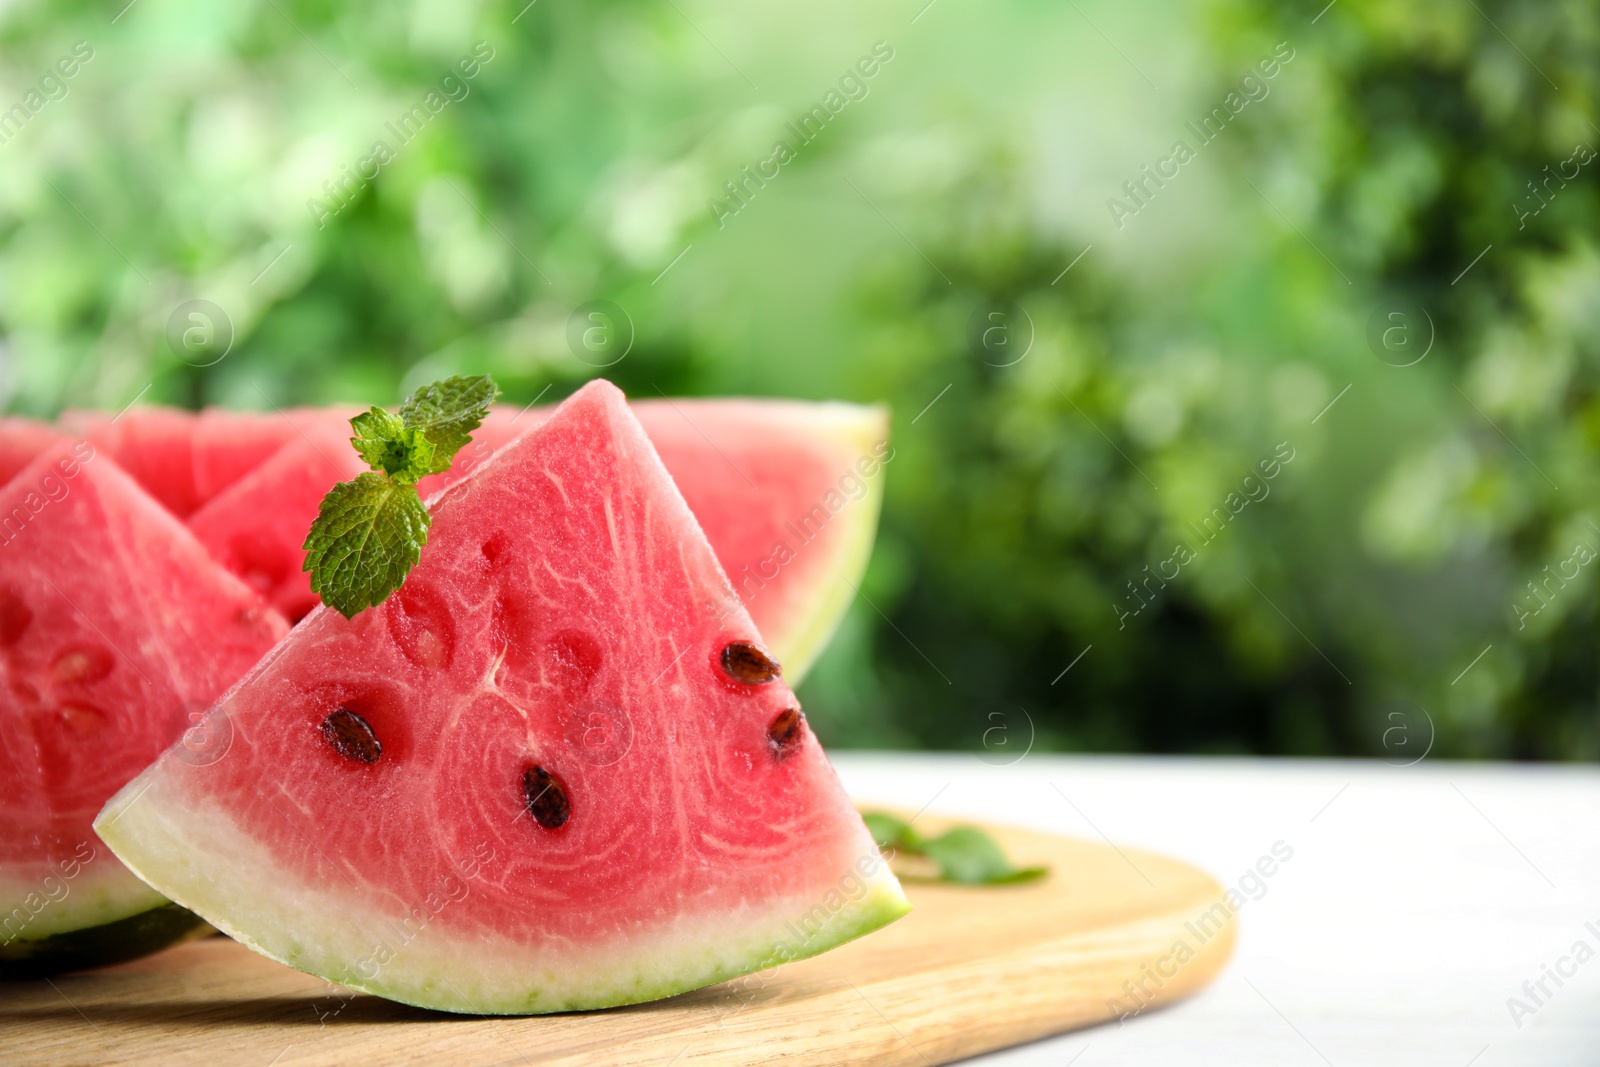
<point>964,855</point>
<point>386,444</point>
<point>375,429</point>
<point>890,831</point>
<point>369,532</point>
<point>447,412</point>
<point>968,856</point>
<point>367,536</point>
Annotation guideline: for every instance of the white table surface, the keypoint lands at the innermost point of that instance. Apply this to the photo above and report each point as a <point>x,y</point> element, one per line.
<point>1417,902</point>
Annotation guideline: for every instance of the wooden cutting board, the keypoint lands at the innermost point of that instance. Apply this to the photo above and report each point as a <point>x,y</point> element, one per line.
<point>970,970</point>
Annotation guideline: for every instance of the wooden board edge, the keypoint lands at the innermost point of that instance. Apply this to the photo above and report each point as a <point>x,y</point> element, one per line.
<point>950,1013</point>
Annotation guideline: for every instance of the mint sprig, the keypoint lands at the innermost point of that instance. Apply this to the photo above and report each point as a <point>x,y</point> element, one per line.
<point>964,855</point>
<point>369,532</point>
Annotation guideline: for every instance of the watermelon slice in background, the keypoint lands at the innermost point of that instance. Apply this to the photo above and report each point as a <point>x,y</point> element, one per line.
<point>21,439</point>
<point>184,458</point>
<point>154,445</point>
<point>256,526</point>
<point>230,444</point>
<point>550,773</point>
<point>788,494</point>
<point>115,624</point>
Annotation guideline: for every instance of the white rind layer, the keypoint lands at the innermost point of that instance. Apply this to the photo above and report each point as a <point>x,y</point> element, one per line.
<point>195,854</point>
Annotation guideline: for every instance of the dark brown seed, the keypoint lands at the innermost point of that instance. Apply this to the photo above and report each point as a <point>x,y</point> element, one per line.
<point>786,732</point>
<point>351,737</point>
<point>746,663</point>
<point>546,799</point>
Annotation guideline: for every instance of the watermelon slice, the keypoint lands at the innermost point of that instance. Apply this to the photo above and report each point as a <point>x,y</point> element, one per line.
<point>20,441</point>
<point>787,493</point>
<point>184,459</point>
<point>115,626</point>
<point>256,526</point>
<point>554,771</point>
<point>154,445</point>
<point>230,444</point>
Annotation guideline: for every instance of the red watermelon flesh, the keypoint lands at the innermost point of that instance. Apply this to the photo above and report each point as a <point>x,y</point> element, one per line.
<point>256,526</point>
<point>500,427</point>
<point>230,444</point>
<point>115,625</point>
<point>21,440</point>
<point>183,458</point>
<point>154,445</point>
<point>788,494</point>
<point>527,782</point>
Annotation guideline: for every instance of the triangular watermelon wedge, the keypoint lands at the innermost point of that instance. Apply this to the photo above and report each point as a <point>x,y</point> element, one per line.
<point>115,626</point>
<point>257,526</point>
<point>21,439</point>
<point>552,772</point>
<point>185,459</point>
<point>154,445</point>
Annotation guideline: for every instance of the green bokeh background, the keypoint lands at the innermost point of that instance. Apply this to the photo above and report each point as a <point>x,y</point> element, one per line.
<point>1386,167</point>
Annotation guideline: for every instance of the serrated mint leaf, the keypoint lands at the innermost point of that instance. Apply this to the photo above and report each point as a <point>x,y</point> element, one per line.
<point>369,532</point>
<point>968,856</point>
<point>407,458</point>
<point>367,536</point>
<point>447,412</point>
<point>964,855</point>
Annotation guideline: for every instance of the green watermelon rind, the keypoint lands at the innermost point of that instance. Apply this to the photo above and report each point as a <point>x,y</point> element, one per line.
<point>180,846</point>
<point>799,650</point>
<point>102,944</point>
<point>865,428</point>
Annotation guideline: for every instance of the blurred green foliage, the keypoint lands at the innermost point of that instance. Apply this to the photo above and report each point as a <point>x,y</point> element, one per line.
<point>1389,160</point>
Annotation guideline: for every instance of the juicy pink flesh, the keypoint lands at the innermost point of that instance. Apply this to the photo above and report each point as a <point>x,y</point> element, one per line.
<point>567,614</point>
<point>185,459</point>
<point>115,626</point>
<point>20,441</point>
<point>256,526</point>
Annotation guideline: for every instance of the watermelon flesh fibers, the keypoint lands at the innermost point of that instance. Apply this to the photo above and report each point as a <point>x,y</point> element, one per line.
<point>115,626</point>
<point>554,771</point>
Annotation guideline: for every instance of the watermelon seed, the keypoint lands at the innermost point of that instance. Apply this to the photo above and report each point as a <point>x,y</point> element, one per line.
<point>351,737</point>
<point>785,732</point>
<point>546,800</point>
<point>746,663</point>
